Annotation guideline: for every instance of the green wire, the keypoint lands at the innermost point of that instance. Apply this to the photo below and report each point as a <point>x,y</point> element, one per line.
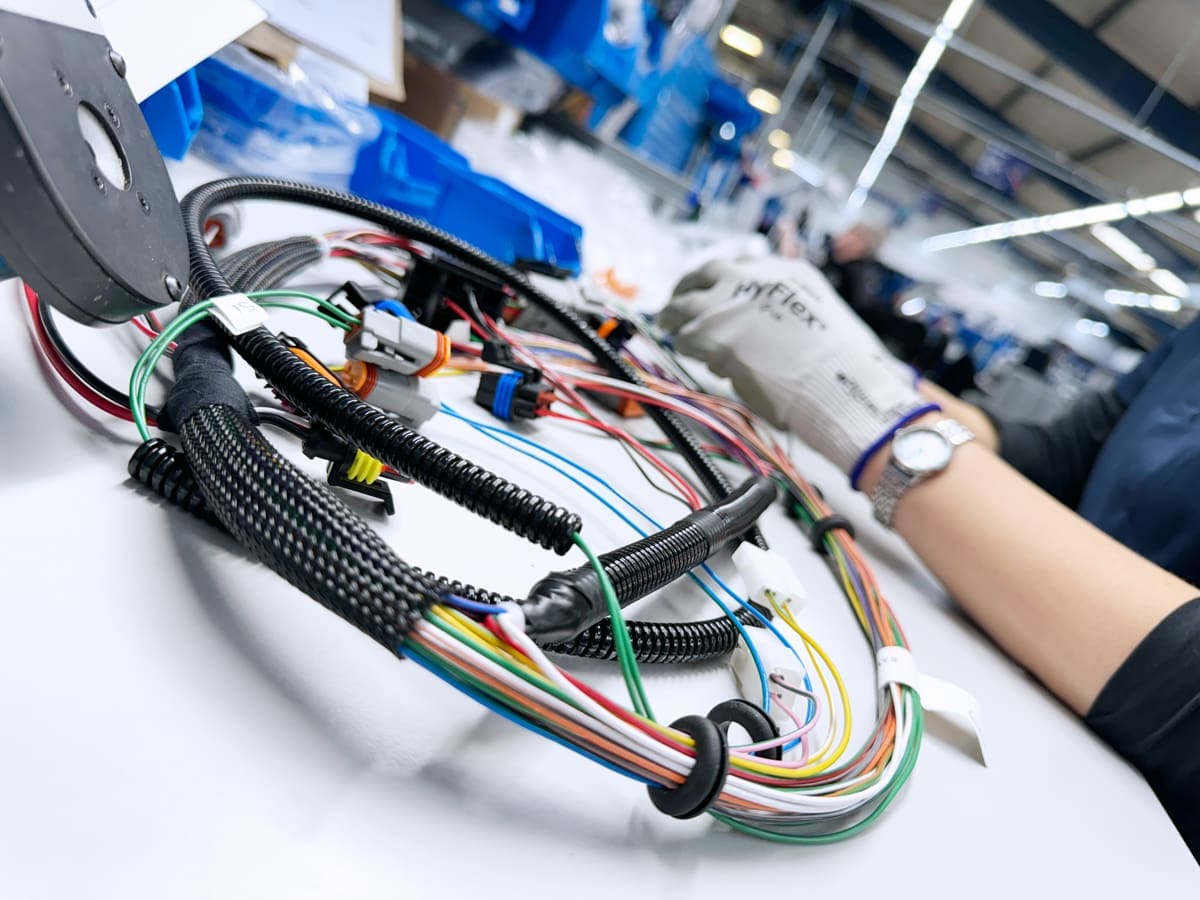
<point>143,369</point>
<point>626,657</point>
<point>906,768</point>
<point>332,308</point>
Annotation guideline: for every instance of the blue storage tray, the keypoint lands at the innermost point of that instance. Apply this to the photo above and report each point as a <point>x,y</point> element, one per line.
<point>405,167</point>
<point>502,221</point>
<point>174,114</point>
<point>413,170</point>
<point>492,14</point>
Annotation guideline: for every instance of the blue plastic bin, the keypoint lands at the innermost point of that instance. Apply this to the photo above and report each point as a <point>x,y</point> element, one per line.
<point>174,114</point>
<point>492,14</point>
<point>405,167</point>
<point>413,170</point>
<point>509,225</point>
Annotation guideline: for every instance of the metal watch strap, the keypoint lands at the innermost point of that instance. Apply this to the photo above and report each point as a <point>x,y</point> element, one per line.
<point>895,481</point>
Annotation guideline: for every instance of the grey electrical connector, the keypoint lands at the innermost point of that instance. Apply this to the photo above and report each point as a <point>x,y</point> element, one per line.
<point>411,399</point>
<point>397,344</point>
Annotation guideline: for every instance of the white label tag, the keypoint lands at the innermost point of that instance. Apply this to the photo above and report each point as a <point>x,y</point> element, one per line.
<point>951,702</point>
<point>237,313</point>
<point>896,665</point>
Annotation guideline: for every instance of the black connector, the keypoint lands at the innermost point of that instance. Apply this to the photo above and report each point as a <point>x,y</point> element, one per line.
<point>499,353</point>
<point>614,329</point>
<point>513,395</point>
<point>320,444</point>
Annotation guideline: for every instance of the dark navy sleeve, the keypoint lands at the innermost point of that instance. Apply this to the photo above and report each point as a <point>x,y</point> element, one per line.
<point>1058,456</point>
<point>1131,384</point>
<point>1149,712</point>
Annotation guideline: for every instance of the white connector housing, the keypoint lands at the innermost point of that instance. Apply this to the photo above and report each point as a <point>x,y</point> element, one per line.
<point>776,661</point>
<point>768,576</point>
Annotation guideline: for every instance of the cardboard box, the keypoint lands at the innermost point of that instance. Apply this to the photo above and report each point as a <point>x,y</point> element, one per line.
<point>440,101</point>
<point>275,43</point>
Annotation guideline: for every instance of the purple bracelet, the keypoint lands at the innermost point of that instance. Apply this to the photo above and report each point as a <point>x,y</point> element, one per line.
<point>856,472</point>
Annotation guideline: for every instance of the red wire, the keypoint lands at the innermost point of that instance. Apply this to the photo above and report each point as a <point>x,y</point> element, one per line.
<point>462,314</point>
<point>64,371</point>
<point>682,408</point>
<point>681,484</point>
<point>143,328</point>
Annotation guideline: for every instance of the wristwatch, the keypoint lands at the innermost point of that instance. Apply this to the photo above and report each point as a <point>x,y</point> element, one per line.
<point>918,453</point>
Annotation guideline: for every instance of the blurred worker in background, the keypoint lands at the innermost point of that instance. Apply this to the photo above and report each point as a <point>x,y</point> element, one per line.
<point>1075,545</point>
<point>852,267</point>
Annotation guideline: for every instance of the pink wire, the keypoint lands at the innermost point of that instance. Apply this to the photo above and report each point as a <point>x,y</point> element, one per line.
<point>802,730</point>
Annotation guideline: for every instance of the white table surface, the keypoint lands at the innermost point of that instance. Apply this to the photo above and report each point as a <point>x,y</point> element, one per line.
<point>178,722</point>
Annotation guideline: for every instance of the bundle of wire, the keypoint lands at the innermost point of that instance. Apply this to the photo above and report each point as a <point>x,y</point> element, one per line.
<point>789,788</point>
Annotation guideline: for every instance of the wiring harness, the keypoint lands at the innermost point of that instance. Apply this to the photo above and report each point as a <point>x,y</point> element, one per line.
<point>798,781</point>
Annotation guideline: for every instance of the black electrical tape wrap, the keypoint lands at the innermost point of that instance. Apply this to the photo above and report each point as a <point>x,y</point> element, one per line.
<point>706,780</point>
<point>821,527</point>
<point>563,604</point>
<point>757,723</point>
<point>299,529</point>
<point>166,471</point>
<point>322,402</point>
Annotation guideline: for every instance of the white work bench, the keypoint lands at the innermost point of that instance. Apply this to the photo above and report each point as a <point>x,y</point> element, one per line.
<point>179,722</point>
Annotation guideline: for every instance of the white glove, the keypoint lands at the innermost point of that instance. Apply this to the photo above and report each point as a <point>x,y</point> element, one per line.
<point>797,355</point>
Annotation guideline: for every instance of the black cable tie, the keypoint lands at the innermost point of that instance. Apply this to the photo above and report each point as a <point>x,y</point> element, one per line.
<point>757,723</point>
<point>706,780</point>
<point>821,527</point>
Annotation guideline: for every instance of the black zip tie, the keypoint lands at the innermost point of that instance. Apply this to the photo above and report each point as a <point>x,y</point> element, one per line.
<point>757,723</point>
<point>821,527</point>
<point>706,780</point>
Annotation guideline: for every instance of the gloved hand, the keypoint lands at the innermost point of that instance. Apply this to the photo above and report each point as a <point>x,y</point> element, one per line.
<point>796,354</point>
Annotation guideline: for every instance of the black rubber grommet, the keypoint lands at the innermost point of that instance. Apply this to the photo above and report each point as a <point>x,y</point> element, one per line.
<point>757,723</point>
<point>821,527</point>
<point>704,783</point>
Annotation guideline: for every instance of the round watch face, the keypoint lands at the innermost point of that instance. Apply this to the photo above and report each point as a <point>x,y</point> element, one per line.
<point>922,450</point>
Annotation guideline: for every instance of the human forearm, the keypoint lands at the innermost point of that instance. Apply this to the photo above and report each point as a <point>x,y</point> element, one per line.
<point>1063,598</point>
<point>969,414</point>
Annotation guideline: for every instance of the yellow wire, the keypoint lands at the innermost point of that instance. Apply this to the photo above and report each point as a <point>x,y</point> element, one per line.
<point>767,769</point>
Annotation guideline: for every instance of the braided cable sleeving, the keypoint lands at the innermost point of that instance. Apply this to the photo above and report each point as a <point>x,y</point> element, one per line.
<point>301,530</point>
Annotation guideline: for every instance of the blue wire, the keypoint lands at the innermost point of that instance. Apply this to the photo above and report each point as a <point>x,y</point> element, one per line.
<point>472,606</point>
<point>515,718</point>
<point>494,433</point>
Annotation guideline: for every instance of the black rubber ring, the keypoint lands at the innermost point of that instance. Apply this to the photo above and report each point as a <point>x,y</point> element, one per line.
<point>757,723</point>
<point>821,527</point>
<point>703,785</point>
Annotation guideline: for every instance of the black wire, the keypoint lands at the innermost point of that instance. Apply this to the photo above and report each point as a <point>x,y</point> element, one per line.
<point>76,365</point>
<point>633,458</point>
<point>283,423</point>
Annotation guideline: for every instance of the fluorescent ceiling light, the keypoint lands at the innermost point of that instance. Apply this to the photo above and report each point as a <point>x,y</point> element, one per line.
<point>783,158</point>
<point>1052,289</point>
<point>1170,282</point>
<point>1124,247</point>
<point>1068,219</point>
<point>1161,203</point>
<point>1161,302</point>
<point>779,139</point>
<point>742,41</point>
<point>926,63</point>
<point>1089,326</point>
<point>763,100</point>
